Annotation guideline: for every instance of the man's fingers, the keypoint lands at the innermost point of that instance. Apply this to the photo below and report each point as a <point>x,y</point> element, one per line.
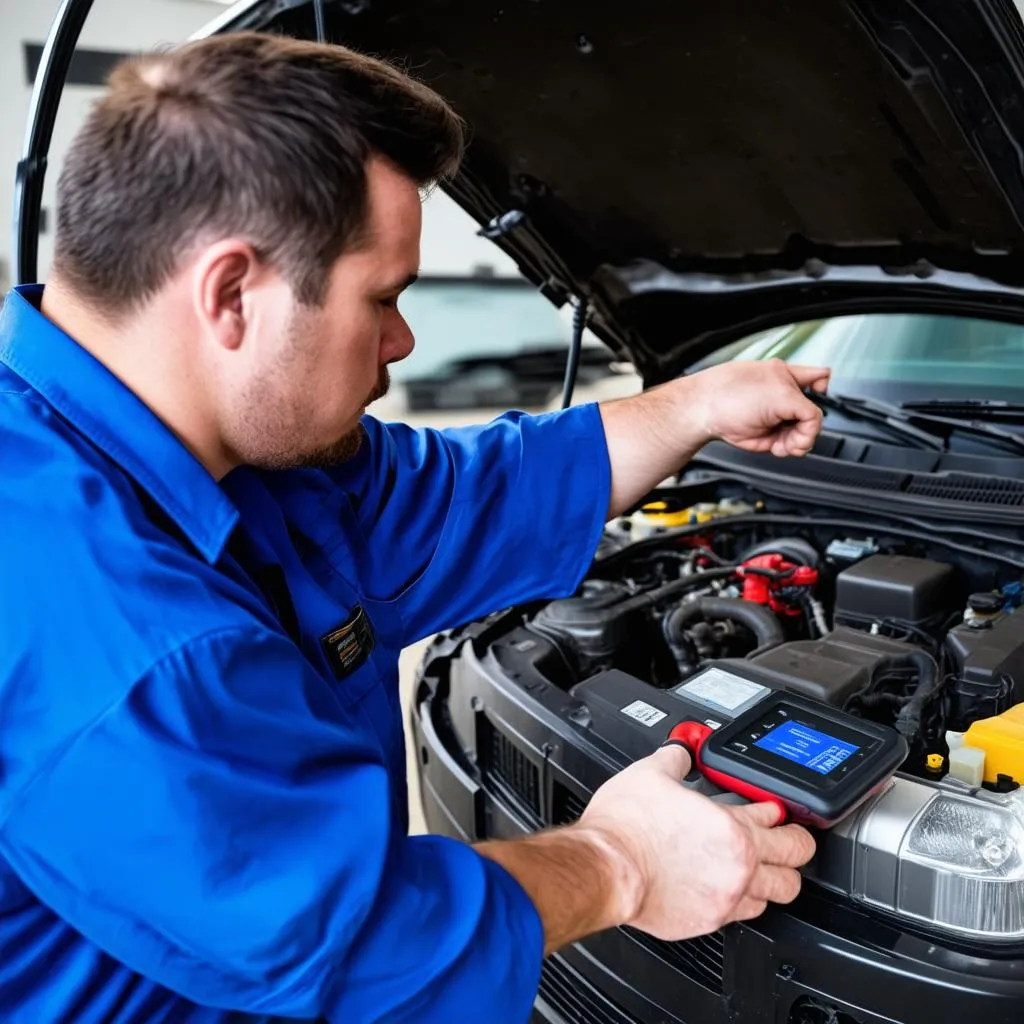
<point>774,884</point>
<point>798,431</point>
<point>764,813</point>
<point>673,760</point>
<point>747,909</point>
<point>789,846</point>
<point>815,377</point>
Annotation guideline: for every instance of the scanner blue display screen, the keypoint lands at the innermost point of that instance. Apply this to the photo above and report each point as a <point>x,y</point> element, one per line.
<point>806,746</point>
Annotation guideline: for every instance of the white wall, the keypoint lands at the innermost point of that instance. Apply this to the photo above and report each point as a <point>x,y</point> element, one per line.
<point>450,245</point>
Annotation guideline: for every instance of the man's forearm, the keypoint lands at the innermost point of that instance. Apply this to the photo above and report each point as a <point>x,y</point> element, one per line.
<point>649,437</point>
<point>578,880</point>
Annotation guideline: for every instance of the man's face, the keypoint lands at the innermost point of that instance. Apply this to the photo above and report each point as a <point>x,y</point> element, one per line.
<point>312,371</point>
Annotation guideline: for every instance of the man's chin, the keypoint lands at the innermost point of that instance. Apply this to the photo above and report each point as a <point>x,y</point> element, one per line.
<point>343,450</point>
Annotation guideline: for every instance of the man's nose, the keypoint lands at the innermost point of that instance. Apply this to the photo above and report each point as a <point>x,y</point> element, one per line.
<point>397,342</point>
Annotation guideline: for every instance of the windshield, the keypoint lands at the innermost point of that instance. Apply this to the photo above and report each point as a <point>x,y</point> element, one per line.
<point>899,357</point>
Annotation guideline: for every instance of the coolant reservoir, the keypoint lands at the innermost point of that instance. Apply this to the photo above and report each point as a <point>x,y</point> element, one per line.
<point>1002,740</point>
<point>657,516</point>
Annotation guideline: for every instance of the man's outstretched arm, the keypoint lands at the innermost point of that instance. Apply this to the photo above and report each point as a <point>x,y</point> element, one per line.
<point>757,406</point>
<point>513,510</point>
<point>649,853</point>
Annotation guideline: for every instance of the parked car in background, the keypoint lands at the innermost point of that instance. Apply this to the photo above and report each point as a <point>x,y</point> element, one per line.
<point>529,379</point>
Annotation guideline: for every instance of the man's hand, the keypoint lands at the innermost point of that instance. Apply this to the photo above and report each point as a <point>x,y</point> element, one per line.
<point>650,853</point>
<point>761,407</point>
<point>757,406</point>
<point>697,864</point>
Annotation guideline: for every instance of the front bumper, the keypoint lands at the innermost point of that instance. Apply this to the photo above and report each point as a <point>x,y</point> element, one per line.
<point>821,961</point>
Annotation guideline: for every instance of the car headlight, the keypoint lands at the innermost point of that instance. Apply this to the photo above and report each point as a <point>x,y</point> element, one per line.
<point>951,859</point>
<point>974,856</point>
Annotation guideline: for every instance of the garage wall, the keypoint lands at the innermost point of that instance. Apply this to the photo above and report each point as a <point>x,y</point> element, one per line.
<point>450,245</point>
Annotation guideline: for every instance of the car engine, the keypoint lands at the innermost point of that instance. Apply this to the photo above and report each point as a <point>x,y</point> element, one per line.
<point>879,628</point>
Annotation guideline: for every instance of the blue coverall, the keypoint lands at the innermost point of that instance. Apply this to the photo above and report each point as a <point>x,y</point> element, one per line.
<point>202,775</point>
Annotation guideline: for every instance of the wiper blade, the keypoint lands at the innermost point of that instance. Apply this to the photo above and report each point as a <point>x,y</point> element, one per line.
<point>983,408</point>
<point>965,425</point>
<point>890,417</point>
<point>930,429</point>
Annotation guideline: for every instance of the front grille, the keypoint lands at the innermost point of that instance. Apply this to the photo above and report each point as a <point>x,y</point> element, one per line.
<point>508,769</point>
<point>701,959</point>
<point>568,994</point>
<point>566,805</point>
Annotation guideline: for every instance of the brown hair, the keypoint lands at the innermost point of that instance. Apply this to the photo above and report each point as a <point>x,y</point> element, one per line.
<point>247,134</point>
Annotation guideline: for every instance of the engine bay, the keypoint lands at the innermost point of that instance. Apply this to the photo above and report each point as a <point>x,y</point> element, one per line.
<point>883,628</point>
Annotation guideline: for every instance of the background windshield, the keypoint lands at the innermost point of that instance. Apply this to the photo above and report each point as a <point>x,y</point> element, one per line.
<point>900,357</point>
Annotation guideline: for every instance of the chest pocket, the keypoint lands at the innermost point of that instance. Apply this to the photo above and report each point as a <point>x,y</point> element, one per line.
<point>319,608</point>
<point>361,660</point>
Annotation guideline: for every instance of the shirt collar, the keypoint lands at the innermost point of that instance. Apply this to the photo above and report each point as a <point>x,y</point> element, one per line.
<point>115,419</point>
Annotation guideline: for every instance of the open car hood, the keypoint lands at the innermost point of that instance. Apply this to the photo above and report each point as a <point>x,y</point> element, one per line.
<point>700,171</point>
<point>697,171</point>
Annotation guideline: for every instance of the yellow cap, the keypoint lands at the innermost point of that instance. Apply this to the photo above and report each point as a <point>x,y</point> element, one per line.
<point>659,513</point>
<point>1002,739</point>
<point>935,762</point>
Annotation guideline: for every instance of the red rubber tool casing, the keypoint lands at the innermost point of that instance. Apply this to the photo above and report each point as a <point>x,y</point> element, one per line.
<point>816,762</point>
<point>692,735</point>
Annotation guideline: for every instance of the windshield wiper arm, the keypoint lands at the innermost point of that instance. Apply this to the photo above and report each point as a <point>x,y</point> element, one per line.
<point>916,425</point>
<point>965,425</point>
<point>890,417</point>
<point>983,408</point>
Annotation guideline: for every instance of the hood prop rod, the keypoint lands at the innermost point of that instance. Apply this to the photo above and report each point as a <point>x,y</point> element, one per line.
<point>572,363</point>
<point>501,225</point>
<point>46,92</point>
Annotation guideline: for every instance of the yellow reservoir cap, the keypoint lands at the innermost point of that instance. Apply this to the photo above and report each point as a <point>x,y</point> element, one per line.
<point>660,514</point>
<point>1002,740</point>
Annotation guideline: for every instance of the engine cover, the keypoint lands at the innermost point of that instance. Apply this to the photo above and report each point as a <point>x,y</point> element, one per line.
<point>829,669</point>
<point>898,589</point>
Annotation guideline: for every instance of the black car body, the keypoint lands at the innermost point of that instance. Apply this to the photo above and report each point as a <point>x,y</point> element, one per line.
<point>696,174</point>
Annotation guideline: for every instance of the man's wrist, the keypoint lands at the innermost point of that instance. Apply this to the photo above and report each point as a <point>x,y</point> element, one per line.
<point>623,876</point>
<point>689,415</point>
<point>652,435</point>
<point>581,879</point>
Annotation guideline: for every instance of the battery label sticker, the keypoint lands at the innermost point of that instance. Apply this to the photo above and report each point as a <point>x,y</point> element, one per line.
<point>723,689</point>
<point>644,713</point>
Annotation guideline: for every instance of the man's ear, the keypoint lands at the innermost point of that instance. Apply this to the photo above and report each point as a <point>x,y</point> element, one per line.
<point>222,275</point>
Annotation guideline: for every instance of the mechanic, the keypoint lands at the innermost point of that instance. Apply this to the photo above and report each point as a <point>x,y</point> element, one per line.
<point>212,558</point>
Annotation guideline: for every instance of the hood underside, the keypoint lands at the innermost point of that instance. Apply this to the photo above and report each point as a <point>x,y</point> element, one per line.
<point>697,171</point>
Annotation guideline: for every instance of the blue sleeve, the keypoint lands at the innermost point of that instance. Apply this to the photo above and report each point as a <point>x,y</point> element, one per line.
<point>466,521</point>
<point>224,830</point>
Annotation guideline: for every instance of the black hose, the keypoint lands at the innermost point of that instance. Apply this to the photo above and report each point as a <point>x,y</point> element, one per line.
<point>908,721</point>
<point>761,621</point>
<point>673,589</point>
<point>793,549</point>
